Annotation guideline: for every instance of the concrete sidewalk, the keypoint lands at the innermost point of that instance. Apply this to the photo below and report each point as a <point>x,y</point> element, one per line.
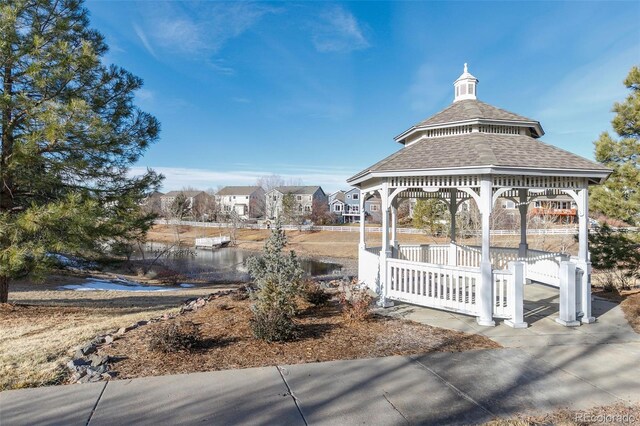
<point>440,388</point>
<point>544,368</point>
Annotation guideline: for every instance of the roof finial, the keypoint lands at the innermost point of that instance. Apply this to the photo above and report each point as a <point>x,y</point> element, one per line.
<point>465,86</point>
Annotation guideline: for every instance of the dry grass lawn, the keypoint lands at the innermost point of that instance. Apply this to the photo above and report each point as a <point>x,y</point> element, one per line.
<point>345,244</point>
<point>324,336</point>
<point>41,325</point>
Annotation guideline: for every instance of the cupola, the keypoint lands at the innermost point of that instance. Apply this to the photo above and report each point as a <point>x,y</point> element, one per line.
<point>465,86</point>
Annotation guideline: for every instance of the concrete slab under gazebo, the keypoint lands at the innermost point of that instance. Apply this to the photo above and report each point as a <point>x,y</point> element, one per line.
<point>474,151</point>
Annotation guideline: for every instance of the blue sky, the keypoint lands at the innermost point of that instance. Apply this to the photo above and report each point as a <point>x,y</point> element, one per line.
<point>318,90</point>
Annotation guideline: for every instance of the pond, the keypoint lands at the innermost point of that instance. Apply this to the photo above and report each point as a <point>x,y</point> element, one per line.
<point>225,264</point>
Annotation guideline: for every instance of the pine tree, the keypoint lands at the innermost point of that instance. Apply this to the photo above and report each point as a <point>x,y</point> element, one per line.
<point>69,133</point>
<point>431,215</point>
<point>619,197</point>
<point>277,276</point>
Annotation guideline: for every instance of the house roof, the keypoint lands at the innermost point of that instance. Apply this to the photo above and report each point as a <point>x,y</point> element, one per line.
<point>298,190</point>
<point>238,190</point>
<point>338,195</point>
<point>186,193</point>
<point>481,150</point>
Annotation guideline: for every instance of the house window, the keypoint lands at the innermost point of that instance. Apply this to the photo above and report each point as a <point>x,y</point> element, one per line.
<point>275,198</point>
<point>299,197</point>
<point>307,208</point>
<point>299,208</point>
<point>337,208</point>
<point>375,207</point>
<point>355,196</point>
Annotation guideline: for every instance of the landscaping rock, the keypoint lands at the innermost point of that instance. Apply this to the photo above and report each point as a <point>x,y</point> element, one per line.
<point>74,363</point>
<point>98,370</point>
<point>87,349</point>
<point>97,360</point>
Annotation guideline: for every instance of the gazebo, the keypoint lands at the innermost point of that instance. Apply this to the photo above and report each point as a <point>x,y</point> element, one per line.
<point>477,152</point>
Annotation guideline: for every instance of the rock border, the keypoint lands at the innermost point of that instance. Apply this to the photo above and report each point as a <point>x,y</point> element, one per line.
<point>88,366</point>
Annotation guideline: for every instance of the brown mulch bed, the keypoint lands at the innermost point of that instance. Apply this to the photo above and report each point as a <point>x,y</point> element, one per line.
<point>324,336</point>
<point>631,308</point>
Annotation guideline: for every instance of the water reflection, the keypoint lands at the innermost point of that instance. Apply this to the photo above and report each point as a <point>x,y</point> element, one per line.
<point>225,264</point>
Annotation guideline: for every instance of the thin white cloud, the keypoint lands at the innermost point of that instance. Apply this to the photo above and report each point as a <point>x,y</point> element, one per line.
<point>176,178</point>
<point>199,29</point>
<point>338,31</point>
<point>145,41</point>
<point>427,89</point>
<point>581,103</point>
<point>145,95</point>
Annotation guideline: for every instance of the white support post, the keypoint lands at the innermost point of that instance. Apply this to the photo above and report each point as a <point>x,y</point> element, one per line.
<point>453,208</point>
<point>523,206</point>
<point>516,296</point>
<point>484,294</point>
<point>394,226</point>
<point>385,252</point>
<point>567,315</point>
<point>583,255</point>
<point>363,241</point>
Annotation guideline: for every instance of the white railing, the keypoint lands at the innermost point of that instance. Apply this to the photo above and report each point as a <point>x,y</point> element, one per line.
<point>502,287</point>
<point>374,250</point>
<point>426,253</point>
<point>435,286</point>
<point>369,268</point>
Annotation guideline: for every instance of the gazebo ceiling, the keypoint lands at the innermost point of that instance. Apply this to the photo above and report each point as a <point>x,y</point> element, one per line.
<point>482,151</point>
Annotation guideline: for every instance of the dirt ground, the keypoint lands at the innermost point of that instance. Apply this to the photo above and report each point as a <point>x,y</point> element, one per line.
<point>344,244</point>
<point>324,336</point>
<point>41,324</point>
<point>612,415</point>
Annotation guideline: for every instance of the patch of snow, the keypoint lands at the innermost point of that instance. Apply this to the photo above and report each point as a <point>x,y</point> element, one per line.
<point>95,284</point>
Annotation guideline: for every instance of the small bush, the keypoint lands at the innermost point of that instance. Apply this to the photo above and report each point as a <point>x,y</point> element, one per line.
<point>242,293</point>
<point>356,304</point>
<point>175,337</point>
<point>315,294</point>
<point>167,276</point>
<point>273,325</point>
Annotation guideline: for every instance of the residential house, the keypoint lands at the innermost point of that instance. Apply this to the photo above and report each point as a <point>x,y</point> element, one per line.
<point>246,201</point>
<point>346,204</point>
<point>336,204</point>
<point>303,199</point>
<point>153,203</point>
<point>557,208</point>
<point>197,204</point>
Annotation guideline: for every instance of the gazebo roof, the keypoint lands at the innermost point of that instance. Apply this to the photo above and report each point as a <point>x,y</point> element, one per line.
<point>469,109</point>
<point>482,150</point>
<point>473,137</point>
